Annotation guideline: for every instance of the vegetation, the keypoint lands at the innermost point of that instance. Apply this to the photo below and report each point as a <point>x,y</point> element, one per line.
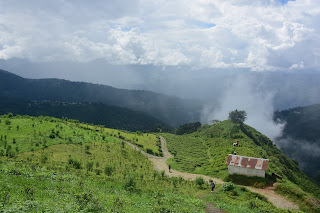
<point>188,128</point>
<point>168,109</point>
<point>205,152</point>
<point>96,113</point>
<point>301,122</point>
<point>235,199</point>
<point>64,166</point>
<point>301,137</point>
<point>237,116</point>
<point>61,165</point>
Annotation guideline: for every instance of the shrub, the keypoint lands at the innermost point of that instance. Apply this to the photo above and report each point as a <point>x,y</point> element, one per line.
<point>227,187</point>
<point>162,173</point>
<point>44,158</point>
<point>199,181</point>
<point>74,163</point>
<point>149,151</point>
<point>7,122</point>
<point>29,192</point>
<point>108,170</point>
<point>89,166</point>
<point>87,148</point>
<point>84,199</point>
<point>130,184</point>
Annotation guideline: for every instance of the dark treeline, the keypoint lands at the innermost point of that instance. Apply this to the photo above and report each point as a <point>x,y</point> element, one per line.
<point>95,113</point>
<point>171,110</point>
<point>301,137</point>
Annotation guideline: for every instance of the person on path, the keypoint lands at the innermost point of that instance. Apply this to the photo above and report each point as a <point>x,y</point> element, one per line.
<point>212,185</point>
<point>169,168</point>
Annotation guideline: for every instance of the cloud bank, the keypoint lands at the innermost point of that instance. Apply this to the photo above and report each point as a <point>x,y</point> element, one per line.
<point>243,94</point>
<point>257,35</point>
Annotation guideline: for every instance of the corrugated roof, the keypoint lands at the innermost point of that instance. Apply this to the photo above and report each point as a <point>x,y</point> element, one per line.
<point>248,162</point>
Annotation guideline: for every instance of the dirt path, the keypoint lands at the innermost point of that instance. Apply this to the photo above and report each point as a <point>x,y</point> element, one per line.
<point>160,164</point>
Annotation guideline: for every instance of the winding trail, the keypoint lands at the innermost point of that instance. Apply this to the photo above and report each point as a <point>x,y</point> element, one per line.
<point>160,164</point>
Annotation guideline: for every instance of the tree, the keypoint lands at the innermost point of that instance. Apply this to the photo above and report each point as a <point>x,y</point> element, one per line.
<point>237,116</point>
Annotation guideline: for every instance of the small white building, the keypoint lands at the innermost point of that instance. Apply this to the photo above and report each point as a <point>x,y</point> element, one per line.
<point>249,166</point>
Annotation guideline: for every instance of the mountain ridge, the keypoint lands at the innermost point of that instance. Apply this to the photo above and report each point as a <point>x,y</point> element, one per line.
<point>97,113</point>
<point>169,109</point>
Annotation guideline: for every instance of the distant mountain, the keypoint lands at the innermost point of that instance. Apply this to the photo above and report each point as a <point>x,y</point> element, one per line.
<point>301,137</point>
<point>168,109</point>
<point>95,113</point>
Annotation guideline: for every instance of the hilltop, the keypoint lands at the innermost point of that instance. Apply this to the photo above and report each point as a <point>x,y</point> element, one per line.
<point>205,152</point>
<point>171,110</point>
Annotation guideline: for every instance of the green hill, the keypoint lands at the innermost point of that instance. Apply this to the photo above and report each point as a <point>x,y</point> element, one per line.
<point>54,165</point>
<point>171,110</point>
<point>61,165</point>
<point>96,113</point>
<point>205,152</point>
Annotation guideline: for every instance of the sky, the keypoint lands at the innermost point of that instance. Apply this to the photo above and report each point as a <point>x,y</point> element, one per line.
<point>260,35</point>
<point>257,56</point>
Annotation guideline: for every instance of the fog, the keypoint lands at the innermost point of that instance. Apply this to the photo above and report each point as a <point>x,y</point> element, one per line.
<point>242,94</point>
<point>220,90</point>
<point>306,153</point>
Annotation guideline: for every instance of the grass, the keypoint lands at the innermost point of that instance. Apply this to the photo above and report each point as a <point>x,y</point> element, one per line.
<point>305,200</point>
<point>148,142</point>
<point>235,199</point>
<point>55,165</point>
<point>205,152</point>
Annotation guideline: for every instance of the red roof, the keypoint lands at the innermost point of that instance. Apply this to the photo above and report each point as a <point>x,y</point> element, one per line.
<point>248,162</point>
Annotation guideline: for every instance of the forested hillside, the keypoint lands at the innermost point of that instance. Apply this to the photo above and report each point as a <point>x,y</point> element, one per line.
<point>301,137</point>
<point>95,113</point>
<point>168,109</point>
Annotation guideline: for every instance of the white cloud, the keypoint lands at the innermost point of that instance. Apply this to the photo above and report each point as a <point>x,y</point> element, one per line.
<point>243,93</point>
<point>259,35</point>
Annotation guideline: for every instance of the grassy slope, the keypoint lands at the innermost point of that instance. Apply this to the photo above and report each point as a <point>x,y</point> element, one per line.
<point>205,152</point>
<point>79,169</point>
<point>87,168</point>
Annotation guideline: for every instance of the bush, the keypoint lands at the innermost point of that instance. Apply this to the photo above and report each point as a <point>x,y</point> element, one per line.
<point>200,181</point>
<point>74,163</point>
<point>44,158</point>
<point>130,184</point>
<point>89,166</point>
<point>108,170</point>
<point>227,187</point>
<point>149,151</point>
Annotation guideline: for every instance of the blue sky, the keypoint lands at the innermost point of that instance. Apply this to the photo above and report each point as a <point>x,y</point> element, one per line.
<point>284,1</point>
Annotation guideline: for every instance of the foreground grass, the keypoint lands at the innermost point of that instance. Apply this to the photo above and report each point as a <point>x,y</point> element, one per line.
<point>235,199</point>
<point>55,165</point>
<point>26,189</point>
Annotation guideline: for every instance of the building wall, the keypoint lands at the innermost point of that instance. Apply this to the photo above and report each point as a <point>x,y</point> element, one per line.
<point>246,171</point>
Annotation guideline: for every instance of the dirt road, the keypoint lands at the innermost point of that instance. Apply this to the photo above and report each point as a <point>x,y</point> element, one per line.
<point>160,164</point>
